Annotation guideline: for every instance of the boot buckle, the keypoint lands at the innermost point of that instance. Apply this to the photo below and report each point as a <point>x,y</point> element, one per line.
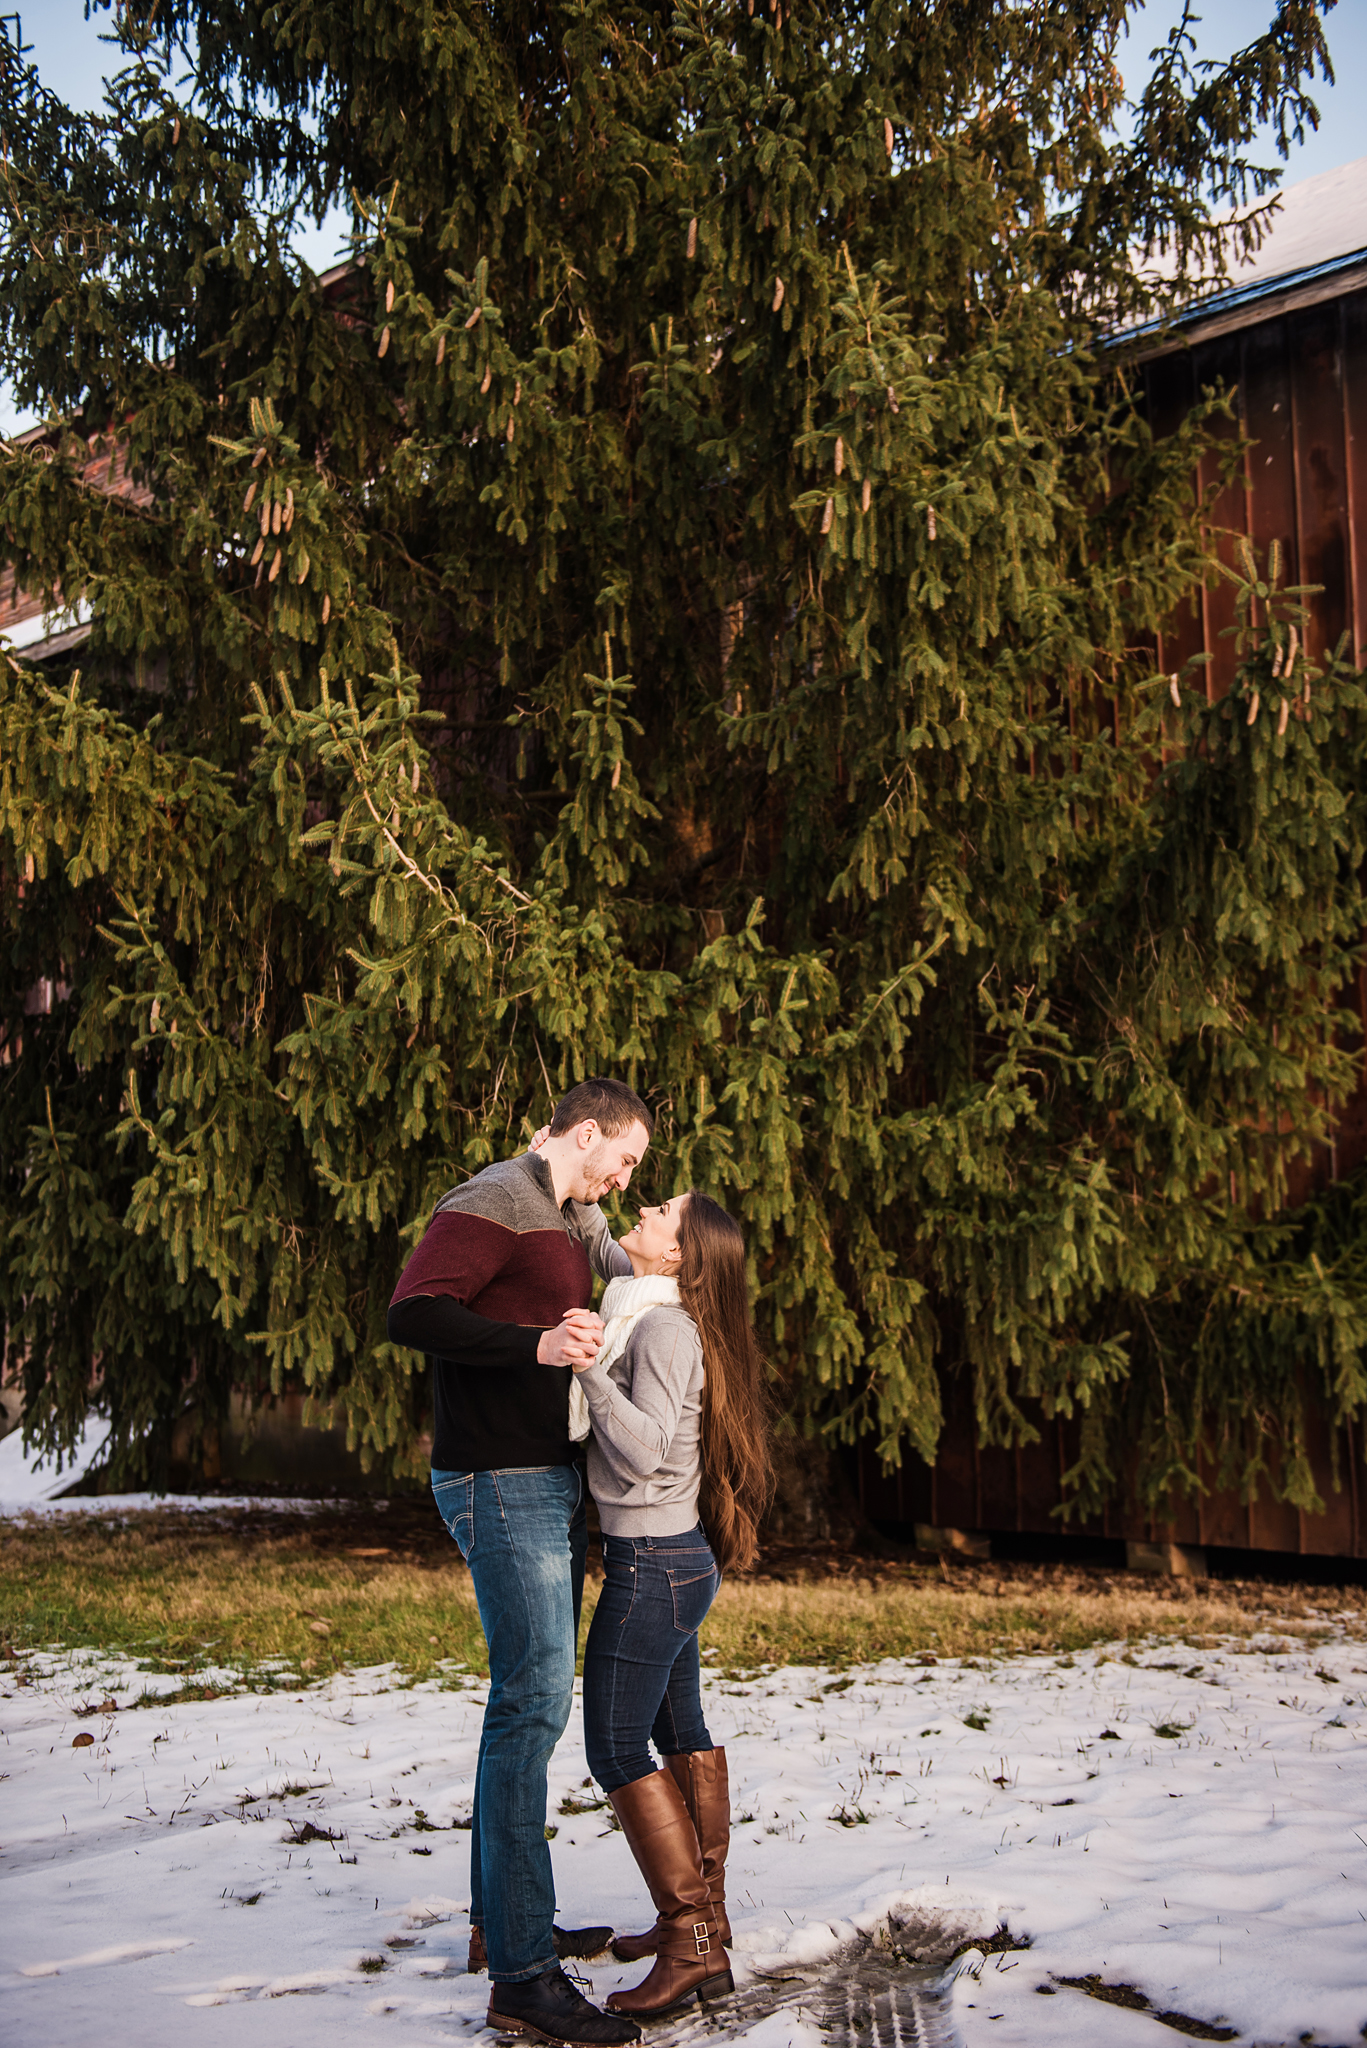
<point>700,1938</point>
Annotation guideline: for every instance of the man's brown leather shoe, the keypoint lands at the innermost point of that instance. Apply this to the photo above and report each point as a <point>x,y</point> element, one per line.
<point>571,1944</point>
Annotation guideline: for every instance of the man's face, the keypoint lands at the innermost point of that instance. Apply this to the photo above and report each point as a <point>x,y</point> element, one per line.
<point>607,1163</point>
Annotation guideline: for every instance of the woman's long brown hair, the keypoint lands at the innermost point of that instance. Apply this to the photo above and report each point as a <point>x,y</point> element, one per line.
<point>737,1469</point>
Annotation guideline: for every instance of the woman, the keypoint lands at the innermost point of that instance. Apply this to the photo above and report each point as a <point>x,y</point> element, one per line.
<point>679,1467</point>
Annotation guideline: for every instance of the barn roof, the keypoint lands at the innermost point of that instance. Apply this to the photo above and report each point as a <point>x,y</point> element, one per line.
<point>1316,248</point>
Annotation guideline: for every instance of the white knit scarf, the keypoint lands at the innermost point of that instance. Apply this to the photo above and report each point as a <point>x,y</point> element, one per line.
<point>624,1302</point>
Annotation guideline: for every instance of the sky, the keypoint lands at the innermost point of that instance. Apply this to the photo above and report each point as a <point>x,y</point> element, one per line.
<point>1225,25</point>
<point>72,61</point>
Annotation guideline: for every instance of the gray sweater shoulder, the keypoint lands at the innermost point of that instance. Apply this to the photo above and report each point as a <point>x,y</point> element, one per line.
<point>502,1193</point>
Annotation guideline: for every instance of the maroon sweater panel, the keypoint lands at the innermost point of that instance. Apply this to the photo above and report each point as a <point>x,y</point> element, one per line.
<point>511,1276</point>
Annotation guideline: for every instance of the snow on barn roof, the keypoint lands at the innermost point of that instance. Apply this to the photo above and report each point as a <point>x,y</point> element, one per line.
<point>1320,221</point>
<point>1315,248</point>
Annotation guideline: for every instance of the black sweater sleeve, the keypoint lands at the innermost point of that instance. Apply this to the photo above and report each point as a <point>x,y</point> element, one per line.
<point>446,1329</point>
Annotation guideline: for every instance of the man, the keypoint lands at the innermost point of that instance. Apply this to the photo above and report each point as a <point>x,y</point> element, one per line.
<point>498,1293</point>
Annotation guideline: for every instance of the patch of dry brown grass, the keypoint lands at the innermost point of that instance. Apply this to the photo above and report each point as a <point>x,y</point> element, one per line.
<point>188,1593</point>
<point>185,1593</point>
<point>982,1612</point>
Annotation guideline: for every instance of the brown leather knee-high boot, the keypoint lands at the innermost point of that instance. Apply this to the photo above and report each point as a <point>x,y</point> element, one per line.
<point>701,1775</point>
<point>703,1779</point>
<point>690,1960</point>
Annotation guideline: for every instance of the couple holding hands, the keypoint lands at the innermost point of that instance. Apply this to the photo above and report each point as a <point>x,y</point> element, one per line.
<point>655,1405</point>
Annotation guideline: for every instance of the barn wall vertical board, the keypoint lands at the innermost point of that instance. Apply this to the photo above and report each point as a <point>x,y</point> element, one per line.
<point>996,1488</point>
<point>1217,367</point>
<point>1272,1524</point>
<point>1321,483</point>
<point>955,1488</point>
<point>1329,1533</point>
<point>880,1492</point>
<point>1037,1476</point>
<point>1223,1514</point>
<point>1170,391</point>
<point>1268,421</point>
<point>1354,345</point>
<point>915,1488</point>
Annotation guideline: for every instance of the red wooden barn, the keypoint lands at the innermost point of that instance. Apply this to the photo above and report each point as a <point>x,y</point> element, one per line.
<point>1289,336</point>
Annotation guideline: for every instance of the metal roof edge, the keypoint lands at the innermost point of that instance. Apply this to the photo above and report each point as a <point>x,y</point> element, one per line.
<point>28,437</point>
<point>1245,305</point>
<point>39,633</point>
<point>57,643</point>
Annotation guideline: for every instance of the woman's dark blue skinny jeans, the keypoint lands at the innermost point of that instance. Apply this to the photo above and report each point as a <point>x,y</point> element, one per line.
<point>641,1663</point>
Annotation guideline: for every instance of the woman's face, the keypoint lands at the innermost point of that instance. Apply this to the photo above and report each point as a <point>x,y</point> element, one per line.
<point>654,1237</point>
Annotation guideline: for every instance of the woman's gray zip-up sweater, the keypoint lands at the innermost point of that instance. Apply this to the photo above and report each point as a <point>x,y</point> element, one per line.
<point>645,1453</point>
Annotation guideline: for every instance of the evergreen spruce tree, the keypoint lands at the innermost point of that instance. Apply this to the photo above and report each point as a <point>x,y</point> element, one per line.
<point>680,604</point>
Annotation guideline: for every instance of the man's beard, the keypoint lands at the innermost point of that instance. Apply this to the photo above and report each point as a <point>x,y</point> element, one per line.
<point>594,1174</point>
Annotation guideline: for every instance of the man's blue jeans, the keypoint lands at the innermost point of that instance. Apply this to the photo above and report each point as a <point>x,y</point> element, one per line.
<point>523,1535</point>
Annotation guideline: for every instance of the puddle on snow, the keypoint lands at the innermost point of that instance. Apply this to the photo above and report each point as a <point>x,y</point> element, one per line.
<point>869,1995</point>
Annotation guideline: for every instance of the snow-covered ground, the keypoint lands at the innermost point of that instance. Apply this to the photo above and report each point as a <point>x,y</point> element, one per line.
<point>163,1878</point>
<point>31,1484</point>
<point>27,1480</point>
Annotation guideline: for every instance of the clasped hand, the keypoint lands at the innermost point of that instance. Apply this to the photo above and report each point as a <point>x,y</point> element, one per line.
<point>573,1342</point>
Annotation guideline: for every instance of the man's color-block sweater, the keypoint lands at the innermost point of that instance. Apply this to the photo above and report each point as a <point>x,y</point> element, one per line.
<point>498,1264</point>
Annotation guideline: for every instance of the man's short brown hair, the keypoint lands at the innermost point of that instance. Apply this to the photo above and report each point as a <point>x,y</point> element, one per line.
<point>611,1104</point>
